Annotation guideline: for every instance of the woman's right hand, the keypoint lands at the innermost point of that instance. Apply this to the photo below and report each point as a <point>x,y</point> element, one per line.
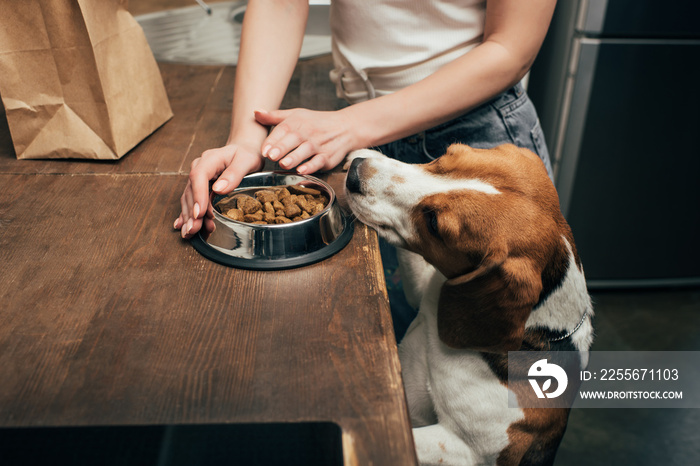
<point>228,165</point>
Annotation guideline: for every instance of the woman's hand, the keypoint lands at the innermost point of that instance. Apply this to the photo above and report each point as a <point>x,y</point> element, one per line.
<point>316,140</point>
<point>230,164</point>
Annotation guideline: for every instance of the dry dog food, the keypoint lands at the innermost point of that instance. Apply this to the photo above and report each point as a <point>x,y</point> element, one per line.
<point>273,205</point>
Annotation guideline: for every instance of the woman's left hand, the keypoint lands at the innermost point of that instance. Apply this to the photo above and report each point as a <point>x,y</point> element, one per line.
<point>307,139</point>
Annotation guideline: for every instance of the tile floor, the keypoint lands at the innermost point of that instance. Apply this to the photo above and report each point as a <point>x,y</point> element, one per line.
<point>639,320</point>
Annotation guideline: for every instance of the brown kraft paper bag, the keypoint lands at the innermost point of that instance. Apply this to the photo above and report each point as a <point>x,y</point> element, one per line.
<point>77,79</point>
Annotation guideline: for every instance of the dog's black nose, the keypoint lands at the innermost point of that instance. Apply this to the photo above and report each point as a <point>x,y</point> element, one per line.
<point>352,180</point>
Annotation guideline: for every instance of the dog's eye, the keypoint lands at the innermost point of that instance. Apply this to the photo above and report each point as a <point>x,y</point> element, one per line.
<point>431,222</point>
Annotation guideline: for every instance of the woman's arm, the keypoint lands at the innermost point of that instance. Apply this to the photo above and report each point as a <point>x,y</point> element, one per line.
<point>271,40</point>
<point>513,34</point>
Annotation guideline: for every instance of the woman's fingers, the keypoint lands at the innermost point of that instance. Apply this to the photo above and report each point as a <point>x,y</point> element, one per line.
<point>302,152</point>
<point>266,118</point>
<point>291,129</point>
<point>315,164</point>
<point>270,147</point>
<point>232,175</point>
<point>284,145</point>
<point>188,221</point>
<point>204,169</point>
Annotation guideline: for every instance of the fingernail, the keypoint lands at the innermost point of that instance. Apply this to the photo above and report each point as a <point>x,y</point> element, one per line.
<point>301,170</point>
<point>220,185</point>
<point>196,210</point>
<point>183,231</point>
<point>176,224</point>
<point>190,224</point>
<point>265,150</point>
<point>274,153</point>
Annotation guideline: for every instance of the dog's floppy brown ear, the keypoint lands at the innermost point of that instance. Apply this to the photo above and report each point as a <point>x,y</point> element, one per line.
<point>486,310</point>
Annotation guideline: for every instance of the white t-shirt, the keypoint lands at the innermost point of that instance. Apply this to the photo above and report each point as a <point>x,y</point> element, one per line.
<point>380,46</point>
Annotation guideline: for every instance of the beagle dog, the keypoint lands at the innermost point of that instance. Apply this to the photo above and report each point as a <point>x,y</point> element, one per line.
<point>488,256</point>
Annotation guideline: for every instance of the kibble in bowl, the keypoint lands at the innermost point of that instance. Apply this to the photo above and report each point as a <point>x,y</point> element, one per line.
<point>273,205</point>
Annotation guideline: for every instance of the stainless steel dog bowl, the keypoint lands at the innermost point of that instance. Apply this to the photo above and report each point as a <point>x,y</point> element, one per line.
<point>274,247</point>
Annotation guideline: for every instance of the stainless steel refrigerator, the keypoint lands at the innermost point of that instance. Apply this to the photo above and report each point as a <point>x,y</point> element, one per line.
<point>617,86</point>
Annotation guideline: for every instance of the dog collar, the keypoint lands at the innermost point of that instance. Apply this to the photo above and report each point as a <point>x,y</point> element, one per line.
<point>578,326</point>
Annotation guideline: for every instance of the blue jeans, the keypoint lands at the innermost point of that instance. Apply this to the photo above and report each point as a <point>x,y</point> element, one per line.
<point>508,118</point>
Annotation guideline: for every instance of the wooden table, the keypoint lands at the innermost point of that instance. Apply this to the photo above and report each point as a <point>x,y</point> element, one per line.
<point>109,318</point>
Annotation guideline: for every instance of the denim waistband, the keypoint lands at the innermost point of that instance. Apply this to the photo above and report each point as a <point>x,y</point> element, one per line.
<point>508,99</point>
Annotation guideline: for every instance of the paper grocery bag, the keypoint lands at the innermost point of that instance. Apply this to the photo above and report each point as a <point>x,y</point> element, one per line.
<point>77,79</point>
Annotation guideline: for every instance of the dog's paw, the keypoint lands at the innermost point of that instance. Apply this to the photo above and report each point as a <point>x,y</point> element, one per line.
<point>360,153</point>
